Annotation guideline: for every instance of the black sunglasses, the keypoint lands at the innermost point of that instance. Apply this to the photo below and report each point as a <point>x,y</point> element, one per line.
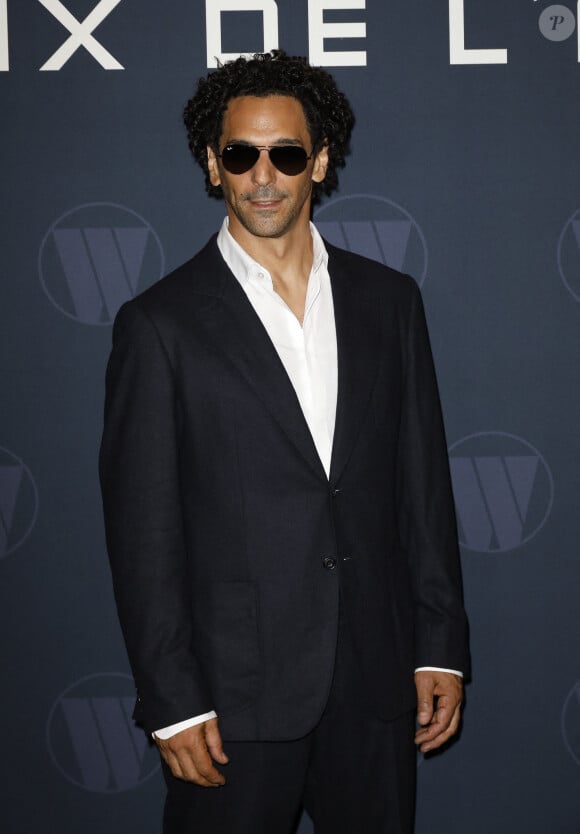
<point>289,159</point>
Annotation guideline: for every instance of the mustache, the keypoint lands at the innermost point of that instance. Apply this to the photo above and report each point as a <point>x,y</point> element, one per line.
<point>265,194</point>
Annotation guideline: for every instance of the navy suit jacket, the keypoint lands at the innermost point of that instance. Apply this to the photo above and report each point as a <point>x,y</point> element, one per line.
<point>230,547</point>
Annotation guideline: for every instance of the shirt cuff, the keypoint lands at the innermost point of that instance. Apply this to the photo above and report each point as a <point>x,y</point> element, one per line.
<point>439,669</point>
<point>173,729</point>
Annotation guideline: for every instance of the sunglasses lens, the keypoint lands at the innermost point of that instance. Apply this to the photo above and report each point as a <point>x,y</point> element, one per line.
<point>238,159</point>
<point>289,159</point>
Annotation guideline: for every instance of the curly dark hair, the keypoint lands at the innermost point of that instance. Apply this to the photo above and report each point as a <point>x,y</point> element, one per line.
<point>328,114</point>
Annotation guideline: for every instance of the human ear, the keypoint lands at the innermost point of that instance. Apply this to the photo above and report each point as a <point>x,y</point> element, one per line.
<point>212,166</point>
<point>320,164</point>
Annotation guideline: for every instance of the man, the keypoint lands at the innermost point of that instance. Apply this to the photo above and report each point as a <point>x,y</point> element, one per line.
<point>278,510</point>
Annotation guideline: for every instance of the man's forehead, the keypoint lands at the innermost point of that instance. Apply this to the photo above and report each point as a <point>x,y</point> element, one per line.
<point>286,99</point>
<point>264,112</point>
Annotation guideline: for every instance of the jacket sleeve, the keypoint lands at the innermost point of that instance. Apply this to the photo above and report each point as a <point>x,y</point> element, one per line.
<point>427,524</point>
<point>139,475</point>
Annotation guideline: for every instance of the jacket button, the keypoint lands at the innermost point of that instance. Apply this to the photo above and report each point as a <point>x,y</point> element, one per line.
<point>336,491</point>
<point>329,563</point>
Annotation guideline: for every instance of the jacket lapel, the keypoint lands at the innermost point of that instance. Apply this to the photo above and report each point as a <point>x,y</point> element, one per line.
<point>236,330</point>
<point>358,342</point>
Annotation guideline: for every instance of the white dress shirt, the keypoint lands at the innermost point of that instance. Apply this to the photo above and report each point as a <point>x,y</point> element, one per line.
<point>308,352</point>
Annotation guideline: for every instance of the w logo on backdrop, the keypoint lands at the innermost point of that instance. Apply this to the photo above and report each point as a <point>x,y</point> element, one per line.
<point>18,502</point>
<point>92,738</point>
<point>503,491</point>
<point>569,255</point>
<point>378,229</point>
<point>96,257</point>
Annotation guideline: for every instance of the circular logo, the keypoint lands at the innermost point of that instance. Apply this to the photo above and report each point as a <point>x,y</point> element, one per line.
<point>18,502</point>
<point>503,491</point>
<point>571,723</point>
<point>557,23</point>
<point>378,229</point>
<point>96,257</point>
<point>92,739</point>
<point>569,255</point>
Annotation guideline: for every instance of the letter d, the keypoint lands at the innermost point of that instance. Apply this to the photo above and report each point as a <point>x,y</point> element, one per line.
<point>213,23</point>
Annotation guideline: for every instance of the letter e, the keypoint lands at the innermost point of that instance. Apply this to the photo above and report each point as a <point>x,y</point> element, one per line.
<point>318,30</point>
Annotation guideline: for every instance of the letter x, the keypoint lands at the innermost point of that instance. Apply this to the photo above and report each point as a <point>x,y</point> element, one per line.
<point>81,34</point>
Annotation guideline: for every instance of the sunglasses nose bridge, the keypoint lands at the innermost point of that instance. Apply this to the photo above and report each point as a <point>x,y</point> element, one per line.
<point>263,169</point>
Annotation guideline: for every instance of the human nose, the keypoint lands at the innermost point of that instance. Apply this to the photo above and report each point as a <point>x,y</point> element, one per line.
<point>263,171</point>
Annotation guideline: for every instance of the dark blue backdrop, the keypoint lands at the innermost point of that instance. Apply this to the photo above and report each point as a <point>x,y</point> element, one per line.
<point>465,172</point>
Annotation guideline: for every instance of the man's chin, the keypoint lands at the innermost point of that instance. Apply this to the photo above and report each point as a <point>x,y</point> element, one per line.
<point>268,224</point>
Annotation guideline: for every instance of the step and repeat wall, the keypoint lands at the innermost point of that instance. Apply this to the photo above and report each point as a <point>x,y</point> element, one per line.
<point>464,172</point>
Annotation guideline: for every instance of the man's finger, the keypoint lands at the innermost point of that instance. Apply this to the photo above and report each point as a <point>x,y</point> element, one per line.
<point>443,716</point>
<point>198,767</point>
<point>172,763</point>
<point>432,737</point>
<point>207,775</point>
<point>425,686</point>
<point>214,742</point>
<point>199,770</point>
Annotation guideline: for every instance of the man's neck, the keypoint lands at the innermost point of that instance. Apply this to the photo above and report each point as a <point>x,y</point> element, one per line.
<point>288,259</point>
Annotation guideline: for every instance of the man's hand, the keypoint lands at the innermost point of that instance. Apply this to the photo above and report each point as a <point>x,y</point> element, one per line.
<point>189,754</point>
<point>439,697</point>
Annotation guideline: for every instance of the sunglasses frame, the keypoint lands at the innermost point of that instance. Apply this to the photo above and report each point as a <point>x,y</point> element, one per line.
<point>269,148</point>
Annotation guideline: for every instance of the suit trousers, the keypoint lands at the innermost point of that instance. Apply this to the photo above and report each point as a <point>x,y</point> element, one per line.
<point>353,773</point>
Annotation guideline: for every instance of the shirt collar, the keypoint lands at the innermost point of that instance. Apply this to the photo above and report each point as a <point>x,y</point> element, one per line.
<point>243,266</point>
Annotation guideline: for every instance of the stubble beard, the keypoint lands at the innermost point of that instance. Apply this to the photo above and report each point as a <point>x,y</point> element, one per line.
<point>267,223</point>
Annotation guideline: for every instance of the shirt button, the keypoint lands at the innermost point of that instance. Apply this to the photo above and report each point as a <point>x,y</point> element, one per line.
<point>329,563</point>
